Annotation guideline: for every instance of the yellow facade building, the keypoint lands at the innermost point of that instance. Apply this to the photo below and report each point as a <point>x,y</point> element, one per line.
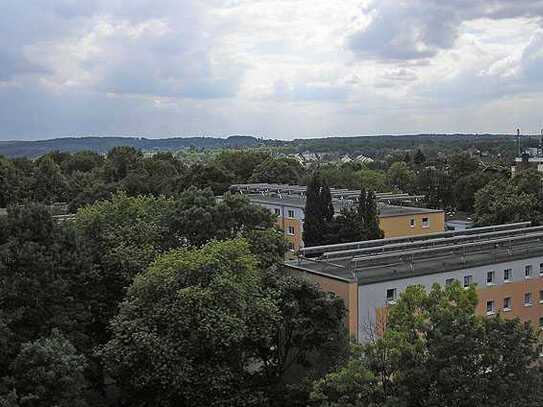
<point>394,220</point>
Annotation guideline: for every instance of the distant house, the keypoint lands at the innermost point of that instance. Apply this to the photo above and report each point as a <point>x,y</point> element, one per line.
<point>346,159</point>
<point>305,158</point>
<point>363,159</point>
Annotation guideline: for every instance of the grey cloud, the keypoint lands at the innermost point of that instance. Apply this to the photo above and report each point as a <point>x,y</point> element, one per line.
<point>416,29</point>
<point>299,92</point>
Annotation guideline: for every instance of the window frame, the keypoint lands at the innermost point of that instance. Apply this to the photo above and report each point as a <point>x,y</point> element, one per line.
<point>509,306</point>
<point>509,272</point>
<point>492,280</point>
<point>492,310</point>
<point>528,296</point>
<point>289,211</point>
<point>391,300</point>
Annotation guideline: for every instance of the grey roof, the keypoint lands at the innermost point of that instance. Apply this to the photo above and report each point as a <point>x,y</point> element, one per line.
<point>299,202</point>
<point>456,250</point>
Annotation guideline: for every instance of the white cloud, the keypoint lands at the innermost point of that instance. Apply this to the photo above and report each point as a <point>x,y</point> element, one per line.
<point>279,68</point>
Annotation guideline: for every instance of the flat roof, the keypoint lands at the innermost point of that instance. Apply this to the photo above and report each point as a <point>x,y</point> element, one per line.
<point>392,261</point>
<point>385,210</point>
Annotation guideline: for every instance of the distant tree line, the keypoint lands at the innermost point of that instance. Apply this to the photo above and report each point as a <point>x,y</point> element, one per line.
<point>84,177</point>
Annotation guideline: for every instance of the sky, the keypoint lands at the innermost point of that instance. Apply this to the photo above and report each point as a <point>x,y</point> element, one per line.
<point>280,69</point>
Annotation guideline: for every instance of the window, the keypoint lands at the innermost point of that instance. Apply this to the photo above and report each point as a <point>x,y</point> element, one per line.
<point>528,299</point>
<point>291,230</point>
<point>468,280</point>
<point>541,269</point>
<point>291,213</point>
<point>541,322</point>
<point>290,246</point>
<point>391,295</point>
<point>507,304</point>
<point>541,296</point>
<point>528,271</point>
<point>490,278</point>
<point>277,211</point>
<point>490,308</point>
<point>425,222</point>
<point>450,281</point>
<point>412,222</point>
<point>507,275</point>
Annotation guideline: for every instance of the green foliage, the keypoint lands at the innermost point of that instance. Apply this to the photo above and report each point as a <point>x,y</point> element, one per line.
<point>502,201</point>
<point>373,180</point>
<point>419,158</point>
<point>465,189</point>
<point>436,352</point>
<point>462,164</point>
<point>49,372</point>
<point>437,187</point>
<point>44,269</point>
<point>400,177</point>
<point>206,327</point>
<point>241,163</point>
<point>318,212</point>
<point>279,171</point>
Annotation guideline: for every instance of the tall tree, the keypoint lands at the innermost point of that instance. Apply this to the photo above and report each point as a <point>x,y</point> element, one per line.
<point>369,217</point>
<point>419,157</point>
<point>319,212</point>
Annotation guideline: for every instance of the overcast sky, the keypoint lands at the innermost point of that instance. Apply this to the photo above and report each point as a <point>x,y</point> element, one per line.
<point>273,68</point>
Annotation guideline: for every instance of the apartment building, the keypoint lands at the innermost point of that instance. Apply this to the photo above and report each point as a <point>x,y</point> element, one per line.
<point>504,262</point>
<point>395,219</point>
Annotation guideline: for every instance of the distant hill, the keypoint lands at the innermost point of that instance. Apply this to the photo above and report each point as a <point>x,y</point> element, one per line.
<point>374,146</point>
<point>34,149</point>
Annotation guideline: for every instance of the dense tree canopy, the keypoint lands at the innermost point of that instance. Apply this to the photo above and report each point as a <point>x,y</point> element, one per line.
<point>208,327</point>
<point>436,352</point>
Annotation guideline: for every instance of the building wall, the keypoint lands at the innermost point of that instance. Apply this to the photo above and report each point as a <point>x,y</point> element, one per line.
<point>399,226</point>
<point>372,302</point>
<point>347,291</point>
<point>392,226</point>
<point>288,216</point>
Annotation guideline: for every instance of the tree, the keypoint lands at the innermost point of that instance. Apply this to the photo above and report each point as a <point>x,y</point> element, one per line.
<point>209,175</point>
<point>462,164</point>
<point>44,271</point>
<point>419,157</point>
<point>501,201</point>
<point>400,177</point>
<point>373,180</point>
<point>241,164</point>
<point>367,211</point>
<point>49,372</point>
<point>437,187</point>
<point>125,234</point>
<point>465,189</point>
<point>436,352</point>
<point>180,336</point>
<point>319,212</point>
<point>121,161</point>
<point>278,170</point>
<point>49,184</point>
<point>207,327</point>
